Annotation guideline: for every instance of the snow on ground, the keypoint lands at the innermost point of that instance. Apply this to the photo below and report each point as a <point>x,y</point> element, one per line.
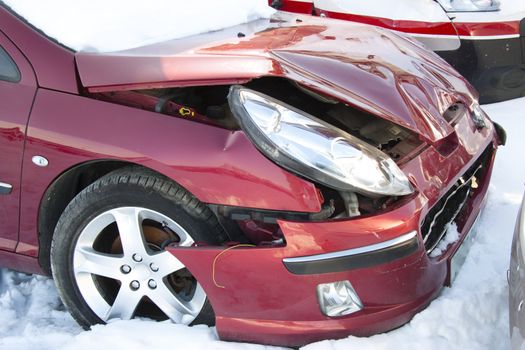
<point>471,315</point>
<point>101,25</point>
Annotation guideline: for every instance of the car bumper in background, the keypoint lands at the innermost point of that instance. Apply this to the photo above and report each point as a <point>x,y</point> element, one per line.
<point>495,66</point>
<point>488,51</point>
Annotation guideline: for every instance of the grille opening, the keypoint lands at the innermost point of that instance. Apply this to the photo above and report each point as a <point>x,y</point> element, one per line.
<point>451,205</point>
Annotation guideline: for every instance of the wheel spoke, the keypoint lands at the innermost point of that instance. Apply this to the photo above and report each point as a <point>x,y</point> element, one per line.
<point>171,305</point>
<point>124,305</point>
<point>130,230</point>
<point>186,241</point>
<point>167,263</point>
<point>198,297</point>
<point>90,261</point>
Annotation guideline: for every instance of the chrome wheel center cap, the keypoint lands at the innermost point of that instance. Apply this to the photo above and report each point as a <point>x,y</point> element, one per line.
<point>141,272</point>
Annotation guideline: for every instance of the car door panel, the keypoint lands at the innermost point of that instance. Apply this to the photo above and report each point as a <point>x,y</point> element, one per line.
<point>16,97</point>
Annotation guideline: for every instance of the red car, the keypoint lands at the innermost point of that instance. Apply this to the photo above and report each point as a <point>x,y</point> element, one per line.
<point>288,179</point>
<point>483,39</point>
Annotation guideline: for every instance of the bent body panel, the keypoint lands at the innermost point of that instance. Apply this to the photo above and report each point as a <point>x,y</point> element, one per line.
<point>216,165</point>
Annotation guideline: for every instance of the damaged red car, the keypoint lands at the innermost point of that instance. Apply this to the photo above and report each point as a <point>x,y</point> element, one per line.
<point>288,179</point>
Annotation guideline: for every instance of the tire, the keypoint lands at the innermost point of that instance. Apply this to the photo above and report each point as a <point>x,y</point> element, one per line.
<point>101,273</point>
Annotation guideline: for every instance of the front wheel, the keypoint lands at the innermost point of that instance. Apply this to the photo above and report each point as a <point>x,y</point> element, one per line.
<point>108,257</point>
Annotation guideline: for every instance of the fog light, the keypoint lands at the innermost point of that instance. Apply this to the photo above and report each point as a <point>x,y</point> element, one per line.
<point>338,299</point>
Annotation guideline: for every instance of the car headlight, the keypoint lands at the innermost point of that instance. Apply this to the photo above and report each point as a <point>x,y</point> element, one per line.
<point>314,149</point>
<point>470,5</point>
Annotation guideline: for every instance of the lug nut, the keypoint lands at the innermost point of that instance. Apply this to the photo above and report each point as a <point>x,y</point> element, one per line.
<point>137,258</point>
<point>134,285</point>
<point>125,269</point>
<point>153,267</point>
<point>152,284</point>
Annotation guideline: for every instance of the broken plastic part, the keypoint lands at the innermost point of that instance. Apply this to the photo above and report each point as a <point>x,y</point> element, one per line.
<point>351,204</point>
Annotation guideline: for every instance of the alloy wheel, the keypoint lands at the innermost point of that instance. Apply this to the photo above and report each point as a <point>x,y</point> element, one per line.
<point>122,271</point>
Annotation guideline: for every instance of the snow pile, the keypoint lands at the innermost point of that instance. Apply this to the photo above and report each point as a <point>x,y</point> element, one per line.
<point>100,25</point>
<point>471,315</point>
<point>451,236</point>
<point>31,314</point>
<point>32,317</point>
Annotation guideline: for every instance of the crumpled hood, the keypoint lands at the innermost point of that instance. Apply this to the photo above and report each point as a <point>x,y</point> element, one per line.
<point>384,74</point>
<point>379,71</point>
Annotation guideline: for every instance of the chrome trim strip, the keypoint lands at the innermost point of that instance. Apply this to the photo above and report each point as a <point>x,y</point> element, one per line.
<point>354,251</point>
<point>489,37</point>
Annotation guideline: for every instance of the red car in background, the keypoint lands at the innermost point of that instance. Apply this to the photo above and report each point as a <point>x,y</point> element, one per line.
<point>483,39</point>
<point>289,179</point>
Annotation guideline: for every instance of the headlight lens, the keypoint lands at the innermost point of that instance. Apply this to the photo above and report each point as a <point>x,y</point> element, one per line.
<point>314,149</point>
<point>470,5</point>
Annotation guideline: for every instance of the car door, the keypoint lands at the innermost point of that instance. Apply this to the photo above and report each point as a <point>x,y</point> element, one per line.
<point>17,90</point>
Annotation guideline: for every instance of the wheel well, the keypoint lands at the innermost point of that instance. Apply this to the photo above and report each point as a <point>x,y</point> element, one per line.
<point>60,193</point>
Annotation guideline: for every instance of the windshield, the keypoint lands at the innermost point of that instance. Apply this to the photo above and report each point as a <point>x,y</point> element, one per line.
<point>103,26</point>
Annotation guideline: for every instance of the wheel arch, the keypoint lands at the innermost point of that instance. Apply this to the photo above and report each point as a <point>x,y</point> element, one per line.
<point>60,193</point>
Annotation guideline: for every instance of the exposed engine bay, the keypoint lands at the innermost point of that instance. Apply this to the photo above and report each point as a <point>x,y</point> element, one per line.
<point>209,105</point>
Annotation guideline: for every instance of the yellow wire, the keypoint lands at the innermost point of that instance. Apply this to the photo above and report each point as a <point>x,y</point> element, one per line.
<point>217,257</point>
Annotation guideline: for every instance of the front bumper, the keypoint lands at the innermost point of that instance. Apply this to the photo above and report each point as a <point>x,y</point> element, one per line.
<point>259,296</point>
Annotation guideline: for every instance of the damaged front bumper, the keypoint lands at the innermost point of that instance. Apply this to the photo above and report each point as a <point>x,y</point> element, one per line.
<point>270,294</point>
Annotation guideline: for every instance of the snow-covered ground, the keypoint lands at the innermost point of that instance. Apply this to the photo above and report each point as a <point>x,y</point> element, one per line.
<point>471,315</point>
